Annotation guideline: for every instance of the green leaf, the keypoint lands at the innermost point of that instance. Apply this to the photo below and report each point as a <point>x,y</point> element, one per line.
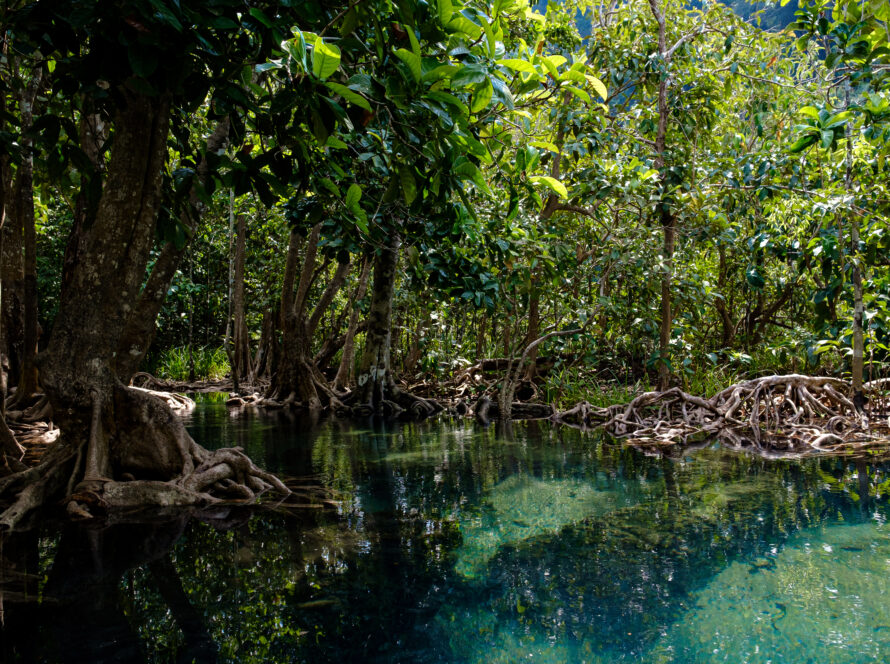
<point>481,96</point>
<point>550,67</point>
<point>546,145</point>
<point>334,142</point>
<point>802,144</point>
<point>330,186</point>
<point>555,185</point>
<point>353,196</point>
<point>446,11</point>
<point>837,120</point>
<point>810,111</point>
<point>518,65</point>
<point>350,23</point>
<point>260,16</point>
<point>349,95</point>
<point>412,61</point>
<point>440,72</point>
<point>296,48</point>
<point>827,138</point>
<point>754,278</point>
<point>489,36</point>
<point>598,86</point>
<point>449,99</point>
<point>467,170</point>
<point>409,184</point>
<point>502,93</point>
<point>325,58</point>
<point>473,147</point>
<point>415,46</point>
<point>579,93</point>
<point>466,26</point>
<point>468,75</point>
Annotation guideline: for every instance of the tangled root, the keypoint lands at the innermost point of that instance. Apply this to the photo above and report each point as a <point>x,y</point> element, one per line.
<point>791,414</point>
<point>150,461</point>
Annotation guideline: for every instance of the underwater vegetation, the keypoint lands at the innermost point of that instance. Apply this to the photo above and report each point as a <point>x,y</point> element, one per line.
<point>521,508</point>
<point>821,598</point>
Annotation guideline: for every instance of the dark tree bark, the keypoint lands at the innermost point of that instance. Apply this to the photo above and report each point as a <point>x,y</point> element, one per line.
<point>376,392</point>
<point>93,132</point>
<point>668,222</point>
<point>728,327</point>
<point>346,370</point>
<point>27,385</point>
<point>297,379</point>
<point>375,380</point>
<point>534,330</point>
<point>140,327</point>
<point>480,336</point>
<point>12,275</point>
<point>240,337</point>
<point>261,363</point>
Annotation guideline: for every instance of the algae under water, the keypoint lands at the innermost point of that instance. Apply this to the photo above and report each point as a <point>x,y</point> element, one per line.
<point>456,543</point>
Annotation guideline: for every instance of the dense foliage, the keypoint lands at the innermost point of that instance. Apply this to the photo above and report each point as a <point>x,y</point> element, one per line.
<point>542,168</point>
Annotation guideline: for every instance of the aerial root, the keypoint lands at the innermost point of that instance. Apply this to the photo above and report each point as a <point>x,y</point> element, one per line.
<point>794,414</point>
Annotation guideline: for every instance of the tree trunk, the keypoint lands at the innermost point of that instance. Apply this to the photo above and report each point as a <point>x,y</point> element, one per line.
<point>664,336</point>
<point>141,323</point>
<point>375,380</point>
<point>297,378</point>
<point>93,133</point>
<point>12,292</point>
<point>27,386</point>
<point>665,215</point>
<point>121,448</point>
<point>858,308</point>
<point>376,392</point>
<point>534,330</point>
<point>346,370</point>
<point>480,336</point>
<point>721,304</point>
<point>263,351</point>
<point>241,338</point>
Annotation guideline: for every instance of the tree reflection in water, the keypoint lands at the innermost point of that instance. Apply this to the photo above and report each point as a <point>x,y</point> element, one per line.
<point>379,578</point>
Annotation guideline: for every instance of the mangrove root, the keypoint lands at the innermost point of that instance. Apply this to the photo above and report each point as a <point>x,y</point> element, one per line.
<point>791,414</point>
<point>133,452</point>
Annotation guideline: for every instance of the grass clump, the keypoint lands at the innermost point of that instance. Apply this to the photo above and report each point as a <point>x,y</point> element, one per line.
<point>173,364</point>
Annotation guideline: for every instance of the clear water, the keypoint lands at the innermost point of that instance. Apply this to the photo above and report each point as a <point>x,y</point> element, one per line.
<point>456,543</point>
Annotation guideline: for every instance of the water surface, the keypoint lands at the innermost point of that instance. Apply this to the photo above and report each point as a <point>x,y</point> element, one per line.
<point>456,543</point>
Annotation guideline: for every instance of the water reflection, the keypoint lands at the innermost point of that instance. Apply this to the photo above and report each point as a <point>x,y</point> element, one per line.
<point>454,543</point>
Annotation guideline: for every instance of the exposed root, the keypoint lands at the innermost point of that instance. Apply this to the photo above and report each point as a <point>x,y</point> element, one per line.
<point>134,453</point>
<point>176,402</point>
<point>791,414</point>
<point>394,402</point>
<point>147,381</point>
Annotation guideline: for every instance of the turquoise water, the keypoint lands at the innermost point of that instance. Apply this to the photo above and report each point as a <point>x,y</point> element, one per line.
<point>455,543</point>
